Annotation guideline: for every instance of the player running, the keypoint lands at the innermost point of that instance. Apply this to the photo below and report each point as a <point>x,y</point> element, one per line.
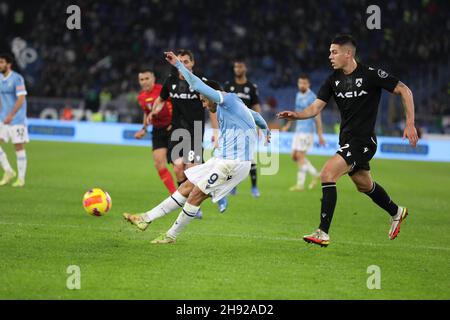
<point>356,89</point>
<point>13,116</point>
<point>304,135</point>
<point>248,92</point>
<point>220,174</point>
<point>161,126</point>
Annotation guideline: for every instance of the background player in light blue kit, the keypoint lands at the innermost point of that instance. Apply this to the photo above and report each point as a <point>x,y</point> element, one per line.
<point>12,120</point>
<point>220,174</point>
<point>304,135</point>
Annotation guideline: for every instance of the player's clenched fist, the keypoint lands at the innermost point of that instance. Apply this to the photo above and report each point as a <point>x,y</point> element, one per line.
<point>171,57</point>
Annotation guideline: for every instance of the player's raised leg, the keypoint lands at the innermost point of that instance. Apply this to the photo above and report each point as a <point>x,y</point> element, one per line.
<point>332,171</point>
<point>186,215</point>
<point>365,184</point>
<point>173,202</point>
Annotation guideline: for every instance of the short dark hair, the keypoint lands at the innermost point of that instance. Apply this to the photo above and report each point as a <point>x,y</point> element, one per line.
<point>214,84</point>
<point>145,70</point>
<point>8,57</point>
<point>304,76</point>
<point>240,59</point>
<point>185,52</point>
<point>342,39</point>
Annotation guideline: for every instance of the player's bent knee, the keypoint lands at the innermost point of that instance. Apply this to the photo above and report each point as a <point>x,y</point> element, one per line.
<point>327,176</point>
<point>178,169</point>
<point>186,188</point>
<point>197,196</point>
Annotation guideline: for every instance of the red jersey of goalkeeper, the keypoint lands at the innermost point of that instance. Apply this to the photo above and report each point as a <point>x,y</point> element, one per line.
<point>146,100</point>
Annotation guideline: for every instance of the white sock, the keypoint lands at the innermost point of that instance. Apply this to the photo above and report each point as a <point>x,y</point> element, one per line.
<point>301,175</point>
<point>21,163</point>
<point>4,161</point>
<point>311,169</point>
<point>186,215</point>
<point>175,201</point>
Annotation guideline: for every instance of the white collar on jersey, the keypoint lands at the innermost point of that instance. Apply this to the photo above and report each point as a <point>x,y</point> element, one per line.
<point>9,75</point>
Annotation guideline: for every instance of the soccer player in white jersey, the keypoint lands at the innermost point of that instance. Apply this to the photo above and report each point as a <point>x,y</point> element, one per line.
<point>304,135</point>
<point>12,120</point>
<point>219,175</point>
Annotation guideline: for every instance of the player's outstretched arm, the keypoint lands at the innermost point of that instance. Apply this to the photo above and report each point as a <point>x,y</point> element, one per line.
<point>158,105</point>
<point>195,82</point>
<point>319,128</point>
<point>311,111</point>
<point>261,123</point>
<point>410,131</point>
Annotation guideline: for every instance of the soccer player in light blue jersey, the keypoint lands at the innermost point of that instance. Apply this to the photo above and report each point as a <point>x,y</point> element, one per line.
<point>220,174</point>
<point>304,135</point>
<point>13,117</point>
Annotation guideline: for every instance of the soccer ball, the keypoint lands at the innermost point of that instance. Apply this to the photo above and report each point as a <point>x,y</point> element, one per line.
<point>97,202</point>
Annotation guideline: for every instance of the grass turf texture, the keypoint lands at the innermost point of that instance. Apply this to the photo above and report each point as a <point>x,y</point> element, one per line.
<point>253,251</point>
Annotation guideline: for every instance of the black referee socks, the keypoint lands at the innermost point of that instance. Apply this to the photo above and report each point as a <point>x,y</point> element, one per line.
<point>382,199</point>
<point>329,198</point>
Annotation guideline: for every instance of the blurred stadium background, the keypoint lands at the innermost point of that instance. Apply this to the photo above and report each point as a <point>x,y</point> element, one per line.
<point>95,68</point>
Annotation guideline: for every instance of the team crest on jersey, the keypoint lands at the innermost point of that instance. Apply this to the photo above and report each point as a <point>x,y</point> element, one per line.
<point>174,86</point>
<point>382,74</point>
<point>336,83</point>
<point>358,82</point>
<point>247,89</point>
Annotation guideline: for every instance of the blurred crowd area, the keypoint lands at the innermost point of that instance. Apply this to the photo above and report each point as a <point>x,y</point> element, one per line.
<point>98,64</point>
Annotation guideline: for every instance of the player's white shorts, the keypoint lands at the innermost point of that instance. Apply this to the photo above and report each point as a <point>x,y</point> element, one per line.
<point>17,133</point>
<point>302,142</point>
<point>217,177</point>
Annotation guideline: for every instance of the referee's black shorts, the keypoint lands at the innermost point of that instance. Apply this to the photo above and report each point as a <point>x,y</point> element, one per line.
<point>357,152</point>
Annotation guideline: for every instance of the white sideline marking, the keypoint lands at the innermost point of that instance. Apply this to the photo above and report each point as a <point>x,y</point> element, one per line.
<point>232,235</point>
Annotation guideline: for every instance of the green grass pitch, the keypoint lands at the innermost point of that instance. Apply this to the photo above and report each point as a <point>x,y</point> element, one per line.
<point>253,251</point>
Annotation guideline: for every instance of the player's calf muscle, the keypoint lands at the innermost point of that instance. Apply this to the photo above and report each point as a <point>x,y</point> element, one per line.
<point>363,187</point>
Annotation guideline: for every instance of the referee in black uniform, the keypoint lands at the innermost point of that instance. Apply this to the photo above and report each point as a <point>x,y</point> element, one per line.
<point>248,92</point>
<point>356,88</point>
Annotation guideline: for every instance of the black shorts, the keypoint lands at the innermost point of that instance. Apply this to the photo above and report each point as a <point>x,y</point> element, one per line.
<point>357,152</point>
<point>161,139</point>
<point>184,144</point>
